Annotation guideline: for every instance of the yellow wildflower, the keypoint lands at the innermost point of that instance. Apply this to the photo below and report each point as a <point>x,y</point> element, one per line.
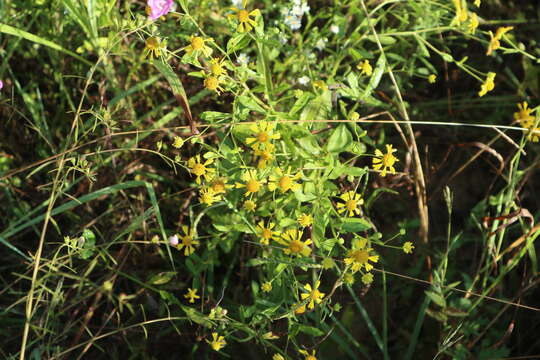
<point>178,142</point>
<point>197,46</point>
<point>488,84</point>
<point>198,168</point>
<point>432,78</point>
<point>154,47</point>
<point>216,67</point>
<point>245,23</point>
<point>313,294</point>
<point>264,134</point>
<point>208,196</point>
<point>352,203</point>
<point>251,182</point>
<point>328,263</point>
<point>365,67</point>
<point>305,220</point>
<point>367,278</point>
<point>218,342</point>
<point>299,309</point>
<point>307,355</point>
<point>265,156</point>
<point>523,116</point>
<point>385,161</point>
<point>250,205</point>
<point>477,3</point>
<point>294,245</point>
<point>213,83</point>
<point>187,241</point>
<point>473,24</point>
<point>192,295</point>
<point>219,185</point>
<point>319,84</point>
<point>348,278</point>
<point>278,357</point>
<point>360,256</point>
<point>266,287</point>
<point>265,233</point>
<point>408,247</point>
<point>284,181</point>
<point>495,41</point>
<point>461,13</point>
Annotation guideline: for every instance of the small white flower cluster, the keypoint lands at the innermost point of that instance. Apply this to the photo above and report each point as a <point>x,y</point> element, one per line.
<point>321,43</point>
<point>243,59</point>
<point>293,17</point>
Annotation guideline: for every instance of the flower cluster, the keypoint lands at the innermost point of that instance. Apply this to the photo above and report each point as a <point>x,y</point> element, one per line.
<point>293,16</point>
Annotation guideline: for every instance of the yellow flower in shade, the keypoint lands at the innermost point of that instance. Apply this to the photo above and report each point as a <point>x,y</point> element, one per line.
<point>313,294</point>
<point>367,278</point>
<point>488,85</point>
<point>197,46</point>
<point>523,116</point>
<point>461,13</point>
<point>319,84</point>
<point>408,247</point>
<point>365,67</point>
<point>265,156</point>
<point>278,357</point>
<point>432,78</point>
<point>218,342</point>
<point>213,83</point>
<point>266,287</point>
<point>219,185</point>
<point>360,255</point>
<point>328,263</point>
<point>308,355</point>
<point>178,142</point>
<point>291,239</point>
<point>265,233</point>
<point>385,161</point>
<point>251,182</point>
<point>245,23</point>
<point>348,278</point>
<point>264,134</point>
<point>305,220</point>
<point>495,41</point>
<point>192,295</point>
<point>198,168</point>
<point>473,24</point>
<point>284,181</point>
<point>299,309</point>
<point>351,204</point>
<point>154,47</point>
<point>477,2</point>
<point>216,67</point>
<point>208,196</point>
<point>250,205</point>
<point>187,242</point>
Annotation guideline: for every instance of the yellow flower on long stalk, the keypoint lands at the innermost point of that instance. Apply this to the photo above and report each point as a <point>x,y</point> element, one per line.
<point>351,204</point>
<point>208,196</point>
<point>488,84</point>
<point>192,295</point>
<point>213,83</point>
<point>495,41</point>
<point>187,242</point>
<point>305,220</point>
<point>264,134</point>
<point>200,169</point>
<point>385,161</point>
<point>218,342</point>
<point>473,24</point>
<point>313,294</point>
<point>216,67</point>
<point>252,184</point>
<point>291,239</point>
<point>265,156</point>
<point>365,67</point>
<point>527,121</point>
<point>461,13</point>
<point>360,255</point>
<point>197,45</point>
<point>219,185</point>
<point>308,355</point>
<point>266,233</point>
<point>155,47</point>
<point>284,181</point>
<point>244,17</point>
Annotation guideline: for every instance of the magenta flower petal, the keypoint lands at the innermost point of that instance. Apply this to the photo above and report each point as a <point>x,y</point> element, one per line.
<point>159,8</point>
<point>1,84</point>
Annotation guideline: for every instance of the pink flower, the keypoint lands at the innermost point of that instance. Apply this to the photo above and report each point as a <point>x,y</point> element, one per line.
<point>1,84</point>
<point>159,8</point>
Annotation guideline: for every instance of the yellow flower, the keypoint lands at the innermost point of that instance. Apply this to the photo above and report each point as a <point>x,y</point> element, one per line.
<point>264,134</point>
<point>245,23</point>
<point>360,256</point>
<point>488,84</point>
<point>523,116</point>
<point>367,278</point>
<point>250,205</point>
<point>216,67</point>
<point>305,220</point>
<point>328,263</point>
<point>213,83</point>
<point>313,294</point>
<point>208,196</point>
<point>432,78</point>
<point>307,355</point>
<point>278,357</point>
<point>365,67</point>
<point>284,181</point>
<point>473,24</point>
<point>495,41</point>
<point>477,2</point>
<point>178,142</point>
<point>385,161</point>
<point>461,13</point>
<point>187,241</point>
<point>265,156</point>
<point>299,309</point>
<point>197,46</point>
<point>218,342</point>
<point>408,247</point>
<point>198,168</point>
<point>265,233</point>
<point>219,185</point>
<point>251,183</point>
<point>352,201</point>
<point>294,245</point>
<point>192,295</point>
<point>266,287</point>
<point>348,278</point>
<point>154,47</point>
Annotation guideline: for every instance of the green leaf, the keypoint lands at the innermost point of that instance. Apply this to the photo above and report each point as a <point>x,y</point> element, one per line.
<point>353,225</point>
<point>162,278</point>
<point>238,42</point>
<point>196,316</point>
<point>340,139</point>
<point>310,330</point>
<point>375,77</point>
<point>436,298</point>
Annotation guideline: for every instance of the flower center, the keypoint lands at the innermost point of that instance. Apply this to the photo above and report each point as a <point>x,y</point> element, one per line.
<point>351,205</point>
<point>243,16</point>
<point>152,43</point>
<point>285,183</point>
<point>360,256</point>
<point>218,187</point>
<point>389,160</point>
<point>211,83</point>
<point>216,69</point>
<point>199,169</point>
<point>253,186</point>
<point>263,137</point>
<point>187,240</point>
<point>197,43</point>
<point>267,233</point>
<point>296,246</point>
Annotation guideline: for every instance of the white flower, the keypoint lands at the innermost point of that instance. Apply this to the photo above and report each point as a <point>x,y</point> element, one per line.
<point>237,3</point>
<point>304,80</point>
<point>243,59</point>
<point>173,240</point>
<point>334,28</point>
<point>300,9</point>
<point>293,21</point>
<point>321,43</point>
